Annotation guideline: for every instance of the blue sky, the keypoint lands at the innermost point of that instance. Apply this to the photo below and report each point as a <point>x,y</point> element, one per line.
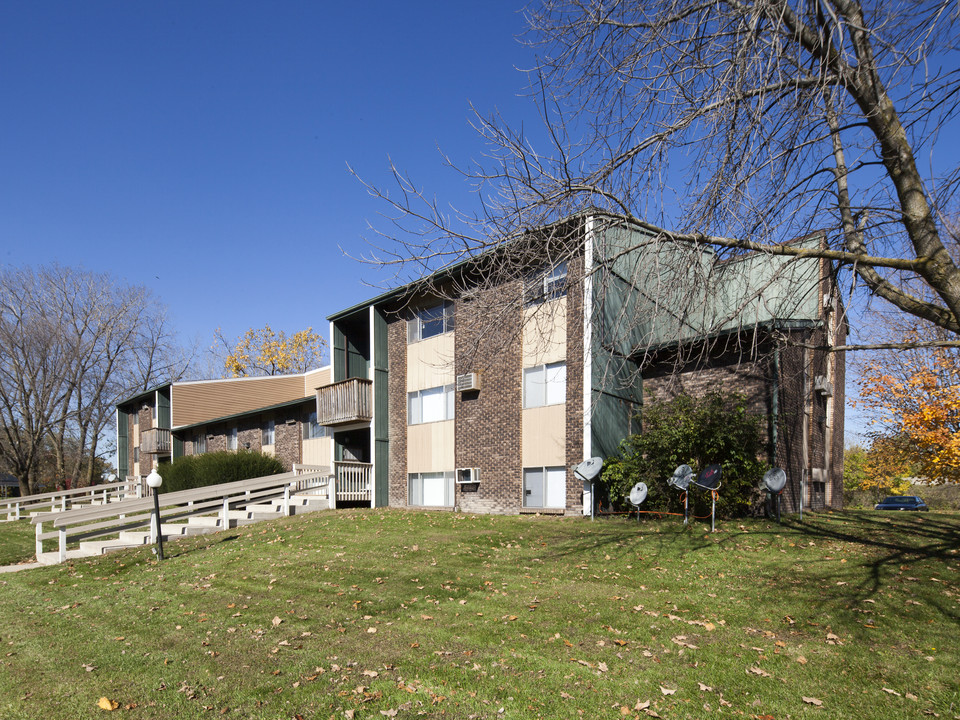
<point>201,149</point>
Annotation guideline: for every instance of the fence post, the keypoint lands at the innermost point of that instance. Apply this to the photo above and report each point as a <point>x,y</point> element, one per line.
<point>63,544</point>
<point>225,515</point>
<point>17,515</point>
<point>332,492</point>
<point>39,547</point>
<point>286,500</point>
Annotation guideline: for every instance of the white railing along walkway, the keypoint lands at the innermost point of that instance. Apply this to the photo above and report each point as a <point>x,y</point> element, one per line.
<point>18,507</point>
<point>352,481</point>
<point>97,521</point>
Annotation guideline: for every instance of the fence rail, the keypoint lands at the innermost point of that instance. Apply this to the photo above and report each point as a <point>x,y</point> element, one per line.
<point>89,522</point>
<point>352,481</point>
<point>62,500</point>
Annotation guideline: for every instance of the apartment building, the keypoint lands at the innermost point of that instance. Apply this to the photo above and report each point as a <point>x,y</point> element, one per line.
<point>275,415</point>
<point>481,386</point>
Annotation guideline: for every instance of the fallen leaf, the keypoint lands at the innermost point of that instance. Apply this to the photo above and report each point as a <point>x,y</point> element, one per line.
<point>705,688</point>
<point>759,671</point>
<point>602,667</point>
<point>911,696</point>
<point>666,691</point>
<point>641,705</point>
<point>276,621</point>
<point>813,701</point>
<point>801,659</point>
<point>892,692</point>
<point>106,703</point>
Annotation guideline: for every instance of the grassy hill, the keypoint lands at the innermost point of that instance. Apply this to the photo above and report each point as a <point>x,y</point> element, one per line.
<point>372,614</point>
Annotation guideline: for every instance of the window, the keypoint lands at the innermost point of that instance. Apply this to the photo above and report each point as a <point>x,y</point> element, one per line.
<point>268,433</point>
<point>433,405</point>
<point>199,444</point>
<point>232,439</point>
<point>430,489</point>
<point>545,487</point>
<point>136,454</point>
<point>545,385</point>
<point>429,322</point>
<point>547,285</point>
<point>312,429</point>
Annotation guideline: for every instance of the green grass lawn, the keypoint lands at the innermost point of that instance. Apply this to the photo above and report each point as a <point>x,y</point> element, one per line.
<point>372,614</point>
<point>17,541</point>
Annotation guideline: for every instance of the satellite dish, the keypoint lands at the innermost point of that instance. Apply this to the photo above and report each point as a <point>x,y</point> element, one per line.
<point>638,493</point>
<point>709,478</point>
<point>681,477</point>
<point>775,479</point>
<point>589,469</point>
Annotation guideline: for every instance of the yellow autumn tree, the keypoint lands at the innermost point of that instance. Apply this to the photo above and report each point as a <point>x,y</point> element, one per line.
<point>914,399</point>
<point>264,351</point>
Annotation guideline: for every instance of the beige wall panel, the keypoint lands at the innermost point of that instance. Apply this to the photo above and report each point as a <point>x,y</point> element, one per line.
<point>544,436</point>
<point>430,363</point>
<point>430,447</point>
<point>315,379</point>
<point>317,452</point>
<point>545,333</point>
<point>202,401</point>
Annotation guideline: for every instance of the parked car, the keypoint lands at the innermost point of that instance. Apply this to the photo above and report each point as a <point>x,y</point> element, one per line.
<point>902,502</point>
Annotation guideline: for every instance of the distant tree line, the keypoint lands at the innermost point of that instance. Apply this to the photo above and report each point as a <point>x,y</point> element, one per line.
<point>72,343</point>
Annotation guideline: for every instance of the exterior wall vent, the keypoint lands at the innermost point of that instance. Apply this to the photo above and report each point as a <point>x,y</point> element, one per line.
<point>470,381</point>
<point>465,476</point>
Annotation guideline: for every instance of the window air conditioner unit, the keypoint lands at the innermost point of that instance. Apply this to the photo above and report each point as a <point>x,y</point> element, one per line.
<point>823,386</point>
<point>470,381</point>
<point>465,476</point>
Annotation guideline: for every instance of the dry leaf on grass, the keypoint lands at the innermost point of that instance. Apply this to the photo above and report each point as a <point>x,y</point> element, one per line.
<point>813,701</point>
<point>106,703</point>
<point>666,690</point>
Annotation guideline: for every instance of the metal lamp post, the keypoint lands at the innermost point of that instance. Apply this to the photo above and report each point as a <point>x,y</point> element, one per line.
<point>155,481</point>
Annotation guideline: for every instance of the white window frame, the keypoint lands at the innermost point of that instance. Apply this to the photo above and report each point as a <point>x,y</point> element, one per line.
<point>554,486</point>
<point>430,321</point>
<point>415,404</point>
<point>548,284</point>
<point>415,489</point>
<point>545,385</point>
<point>233,439</point>
<point>268,433</point>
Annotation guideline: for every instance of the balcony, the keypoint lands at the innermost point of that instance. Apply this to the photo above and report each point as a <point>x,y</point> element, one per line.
<point>345,402</point>
<point>155,441</point>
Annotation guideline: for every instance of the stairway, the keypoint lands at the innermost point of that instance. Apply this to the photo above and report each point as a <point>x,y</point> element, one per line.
<point>197,525</point>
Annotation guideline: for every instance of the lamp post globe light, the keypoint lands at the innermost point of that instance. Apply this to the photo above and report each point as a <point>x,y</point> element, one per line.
<point>155,481</point>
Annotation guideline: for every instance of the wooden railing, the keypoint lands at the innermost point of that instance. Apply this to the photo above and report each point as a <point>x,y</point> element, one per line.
<point>345,402</point>
<point>89,522</point>
<point>155,441</point>
<point>61,500</point>
<point>352,481</point>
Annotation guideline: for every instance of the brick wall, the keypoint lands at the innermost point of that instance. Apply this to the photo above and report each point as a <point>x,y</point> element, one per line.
<point>397,408</point>
<point>574,411</point>
<point>488,421</point>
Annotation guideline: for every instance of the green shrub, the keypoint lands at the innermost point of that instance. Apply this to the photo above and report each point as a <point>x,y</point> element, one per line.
<point>195,471</point>
<point>697,432</point>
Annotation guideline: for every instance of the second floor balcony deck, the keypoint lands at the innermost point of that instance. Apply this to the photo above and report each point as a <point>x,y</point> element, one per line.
<point>155,441</point>
<point>345,402</point>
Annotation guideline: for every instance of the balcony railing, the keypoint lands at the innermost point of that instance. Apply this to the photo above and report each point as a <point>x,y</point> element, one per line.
<point>155,441</point>
<point>352,481</point>
<point>345,402</point>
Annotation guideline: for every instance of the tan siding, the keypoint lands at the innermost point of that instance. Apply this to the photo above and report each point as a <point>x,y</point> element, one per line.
<point>315,379</point>
<point>317,452</point>
<point>430,447</point>
<point>544,436</point>
<point>545,333</point>
<point>199,402</point>
<point>430,362</point>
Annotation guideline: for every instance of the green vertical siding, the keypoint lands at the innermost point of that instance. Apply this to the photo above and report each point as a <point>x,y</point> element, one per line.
<point>177,447</point>
<point>163,408</point>
<point>381,430</point>
<point>122,445</point>
<point>338,354</point>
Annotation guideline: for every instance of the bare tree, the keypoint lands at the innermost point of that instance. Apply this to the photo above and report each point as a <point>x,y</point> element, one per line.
<point>738,125</point>
<point>73,342</point>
